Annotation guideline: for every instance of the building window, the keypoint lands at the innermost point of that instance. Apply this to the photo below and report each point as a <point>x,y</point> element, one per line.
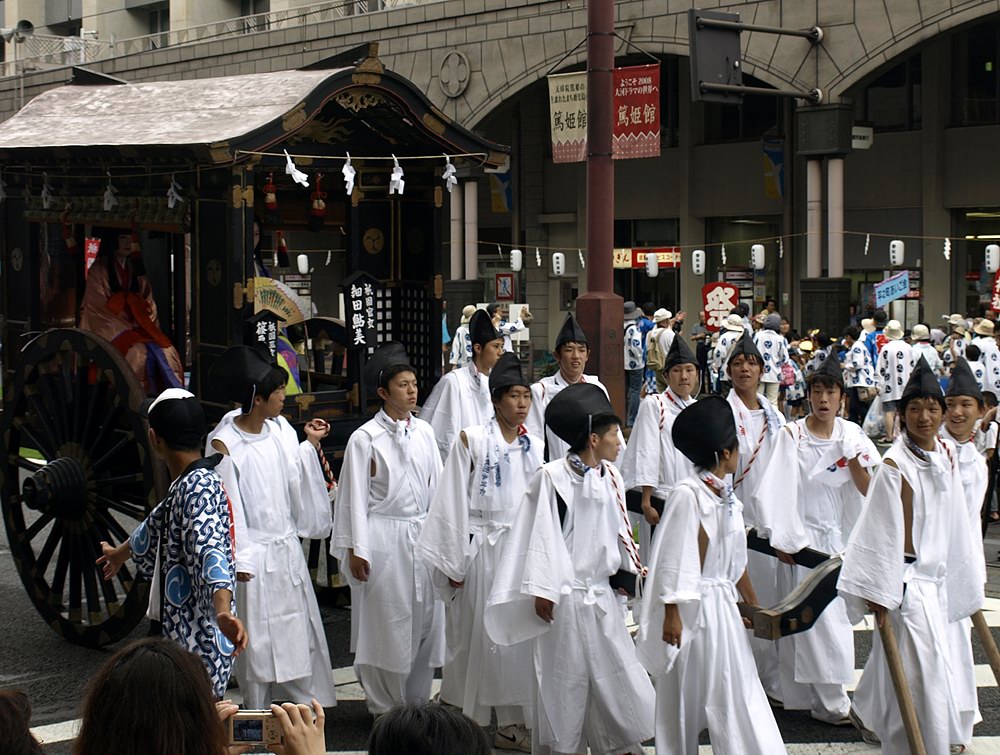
<point>159,25</point>
<point>756,116</point>
<point>893,101</point>
<point>254,8</point>
<point>975,75</point>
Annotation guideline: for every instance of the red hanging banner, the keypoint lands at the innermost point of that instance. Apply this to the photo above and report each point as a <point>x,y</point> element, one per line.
<point>995,303</point>
<point>718,300</point>
<point>637,112</point>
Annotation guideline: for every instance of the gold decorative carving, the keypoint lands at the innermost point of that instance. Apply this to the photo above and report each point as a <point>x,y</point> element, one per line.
<point>434,124</point>
<point>241,195</point>
<point>358,99</point>
<point>294,118</point>
<point>220,153</point>
<point>318,131</point>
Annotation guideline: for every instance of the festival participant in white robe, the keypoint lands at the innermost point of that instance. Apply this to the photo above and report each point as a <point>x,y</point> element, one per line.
<point>757,427</point>
<point>462,397</point>
<point>570,537</point>
<point>954,345</point>
<point>571,352</point>
<point>921,346</point>
<point>390,473</point>
<point>895,361</point>
<point>774,349</point>
<point>858,374</point>
<point>918,578</point>
<point>810,496</point>
<point>461,344</point>
<point>972,356</point>
<point>691,635</point>
<point>498,312</point>
<point>965,407</point>
<point>731,331</point>
<point>989,353</point>
<point>651,462</point>
<point>279,495</point>
<point>484,480</point>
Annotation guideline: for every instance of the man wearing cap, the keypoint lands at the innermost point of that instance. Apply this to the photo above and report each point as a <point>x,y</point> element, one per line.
<point>461,344</point>
<point>462,397</point>
<point>482,485</point>
<point>774,349</point>
<point>650,462</point>
<point>185,546</point>
<point>895,362</point>
<point>913,559</point>
<point>658,343</point>
<point>570,537</point>
<point>858,374</point>
<point>989,354</point>
<point>964,408</point>
<point>954,345</point>
<point>635,362</point>
<point>692,639</point>
<point>279,495</point>
<point>920,346</point>
<point>571,352</point>
<point>810,496</point>
<point>731,331</point>
<point>390,473</point>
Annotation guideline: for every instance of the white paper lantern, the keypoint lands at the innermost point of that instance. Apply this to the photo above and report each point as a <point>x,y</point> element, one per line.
<point>558,264</point>
<point>698,261</point>
<point>516,259</point>
<point>992,258</point>
<point>757,256</point>
<point>302,261</point>
<point>897,251</point>
<point>652,264</point>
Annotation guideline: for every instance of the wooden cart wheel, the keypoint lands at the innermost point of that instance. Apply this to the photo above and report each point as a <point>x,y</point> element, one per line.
<point>77,469</point>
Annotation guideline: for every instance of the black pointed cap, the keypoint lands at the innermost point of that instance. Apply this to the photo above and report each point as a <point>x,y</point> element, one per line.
<point>570,414</point>
<point>679,353</point>
<point>389,354</point>
<point>704,427</point>
<point>831,368</point>
<point>238,371</point>
<point>744,345</point>
<point>922,382</point>
<point>963,382</point>
<point>481,328</point>
<point>571,332</point>
<point>507,372</point>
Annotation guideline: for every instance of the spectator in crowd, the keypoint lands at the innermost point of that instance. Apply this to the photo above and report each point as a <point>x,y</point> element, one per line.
<point>876,338</point>
<point>461,344</point>
<point>427,730</point>
<point>15,722</point>
<point>920,338</point>
<point>635,363</point>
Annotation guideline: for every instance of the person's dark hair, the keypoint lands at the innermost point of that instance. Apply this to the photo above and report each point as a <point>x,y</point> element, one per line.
<point>823,380</point>
<point>972,352</point>
<point>179,448</point>
<point>769,300</point>
<point>709,460</point>
<point>150,698</point>
<point>427,729</point>
<point>990,399</point>
<point>852,332</point>
<point>491,309</point>
<point>880,318</point>
<point>648,309</point>
<point>598,424</point>
<point>499,393</point>
<point>744,309</point>
<point>275,379</point>
<point>15,724</point>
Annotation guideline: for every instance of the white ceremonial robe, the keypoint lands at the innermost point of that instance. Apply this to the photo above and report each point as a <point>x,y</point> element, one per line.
<point>974,472</point>
<point>461,540</point>
<point>542,392</point>
<point>278,494</point>
<point>895,363</point>
<point>711,680</point>
<point>590,687</point>
<point>807,499</point>
<point>757,431</point>
<point>929,353</point>
<point>651,458</point>
<point>459,400</point>
<point>397,623</point>
<point>943,584</point>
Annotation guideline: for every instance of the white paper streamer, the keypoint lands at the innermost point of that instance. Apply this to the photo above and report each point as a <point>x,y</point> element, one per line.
<point>449,174</point>
<point>174,193</point>
<point>579,253</point>
<point>868,240</point>
<point>46,191</point>
<point>947,249</point>
<point>396,182</point>
<point>329,256</point>
<point>723,254</point>
<point>297,175</point>
<point>349,174</point>
<point>538,257</point>
<point>781,249</point>
<point>500,252</point>
<point>110,200</point>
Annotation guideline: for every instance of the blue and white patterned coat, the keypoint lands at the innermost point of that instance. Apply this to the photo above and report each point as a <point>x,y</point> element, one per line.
<point>633,346</point>
<point>895,363</point>
<point>858,368</point>
<point>774,349</point>
<point>197,562</point>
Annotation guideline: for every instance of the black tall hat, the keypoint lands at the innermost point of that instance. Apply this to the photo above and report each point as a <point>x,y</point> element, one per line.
<point>481,328</point>
<point>922,382</point>
<point>570,414</point>
<point>570,332</point>
<point>831,368</point>
<point>704,427</point>
<point>744,345</point>
<point>389,354</point>
<point>678,353</point>
<point>963,382</point>
<point>507,372</point>
<point>237,373</point>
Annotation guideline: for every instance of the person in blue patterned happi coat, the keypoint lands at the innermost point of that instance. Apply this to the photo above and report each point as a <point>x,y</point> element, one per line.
<point>185,545</point>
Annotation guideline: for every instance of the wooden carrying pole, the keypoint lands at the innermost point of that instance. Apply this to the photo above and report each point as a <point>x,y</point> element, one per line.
<point>903,697</point>
<point>989,644</point>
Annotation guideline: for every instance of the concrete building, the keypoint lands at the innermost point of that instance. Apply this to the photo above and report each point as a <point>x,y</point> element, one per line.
<point>924,77</point>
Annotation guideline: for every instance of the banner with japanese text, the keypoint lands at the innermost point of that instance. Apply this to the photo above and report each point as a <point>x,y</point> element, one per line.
<point>718,300</point>
<point>637,112</point>
<point>568,117</point>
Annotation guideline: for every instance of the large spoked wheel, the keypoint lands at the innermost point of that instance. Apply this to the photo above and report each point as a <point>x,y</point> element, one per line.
<point>76,470</point>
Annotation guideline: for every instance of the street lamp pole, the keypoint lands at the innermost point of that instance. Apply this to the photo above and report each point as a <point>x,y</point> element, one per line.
<point>600,310</point>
